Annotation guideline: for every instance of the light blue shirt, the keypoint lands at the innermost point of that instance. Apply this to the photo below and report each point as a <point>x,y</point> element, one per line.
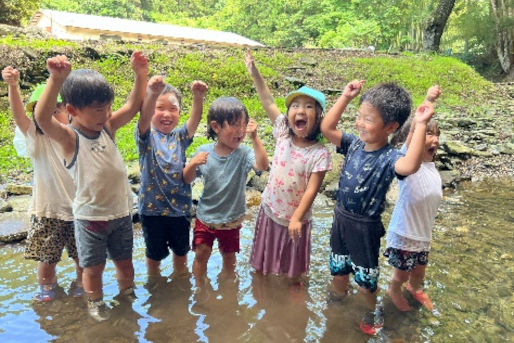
<point>224,178</point>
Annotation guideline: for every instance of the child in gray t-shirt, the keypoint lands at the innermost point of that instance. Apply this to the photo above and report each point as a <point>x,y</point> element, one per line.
<point>223,166</point>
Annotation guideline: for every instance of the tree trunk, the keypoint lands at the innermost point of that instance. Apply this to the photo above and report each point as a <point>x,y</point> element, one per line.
<point>503,12</point>
<point>435,27</point>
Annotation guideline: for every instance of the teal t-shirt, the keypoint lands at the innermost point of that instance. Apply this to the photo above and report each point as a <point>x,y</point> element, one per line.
<point>224,178</point>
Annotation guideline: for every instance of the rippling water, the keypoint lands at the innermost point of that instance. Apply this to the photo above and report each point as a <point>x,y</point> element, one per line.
<point>469,278</point>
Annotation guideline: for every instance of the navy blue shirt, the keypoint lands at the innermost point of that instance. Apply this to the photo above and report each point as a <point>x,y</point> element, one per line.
<point>365,176</point>
<point>161,159</point>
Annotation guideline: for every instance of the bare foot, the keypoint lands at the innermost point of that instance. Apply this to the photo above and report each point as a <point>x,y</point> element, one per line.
<point>398,300</point>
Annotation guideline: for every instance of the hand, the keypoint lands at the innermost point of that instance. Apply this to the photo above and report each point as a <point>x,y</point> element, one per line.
<point>250,62</point>
<point>433,93</point>
<point>156,84</point>
<point>139,63</point>
<point>199,89</point>
<point>59,67</point>
<point>424,112</point>
<point>199,159</point>
<point>11,76</point>
<point>251,129</point>
<point>295,229</point>
<point>353,88</point>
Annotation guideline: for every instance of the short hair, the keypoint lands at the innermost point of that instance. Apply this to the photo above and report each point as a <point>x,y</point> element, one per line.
<point>315,135</point>
<point>171,90</point>
<point>225,109</point>
<point>84,87</point>
<point>392,101</point>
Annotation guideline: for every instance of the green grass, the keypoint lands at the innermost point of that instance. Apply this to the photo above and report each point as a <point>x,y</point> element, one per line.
<point>223,70</point>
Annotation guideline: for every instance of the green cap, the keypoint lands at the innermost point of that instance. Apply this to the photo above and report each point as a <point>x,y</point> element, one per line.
<point>316,95</point>
<point>36,94</point>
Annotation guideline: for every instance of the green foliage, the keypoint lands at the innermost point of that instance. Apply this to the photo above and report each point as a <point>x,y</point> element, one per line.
<point>17,12</point>
<point>47,45</point>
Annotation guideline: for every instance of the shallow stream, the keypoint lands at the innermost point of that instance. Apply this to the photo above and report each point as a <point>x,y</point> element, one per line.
<point>469,278</point>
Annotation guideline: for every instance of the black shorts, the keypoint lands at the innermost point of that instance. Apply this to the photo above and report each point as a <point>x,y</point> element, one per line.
<point>355,244</point>
<point>164,233</point>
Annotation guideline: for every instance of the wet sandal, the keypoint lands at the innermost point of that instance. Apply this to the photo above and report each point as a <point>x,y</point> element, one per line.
<point>421,296</point>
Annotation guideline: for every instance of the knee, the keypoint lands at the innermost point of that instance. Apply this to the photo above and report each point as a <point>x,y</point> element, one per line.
<point>202,253</point>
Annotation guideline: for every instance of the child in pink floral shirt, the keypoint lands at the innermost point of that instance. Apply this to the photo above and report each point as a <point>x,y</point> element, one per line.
<point>282,241</point>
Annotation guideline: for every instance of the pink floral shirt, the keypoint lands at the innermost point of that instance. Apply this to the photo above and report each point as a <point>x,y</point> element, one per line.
<point>290,172</point>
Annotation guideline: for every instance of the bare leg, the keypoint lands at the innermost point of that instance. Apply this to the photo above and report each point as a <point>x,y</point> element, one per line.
<point>416,277</point>
<point>229,262</point>
<point>202,254</point>
<point>180,265</point>
<point>371,298</point>
<point>153,267</point>
<point>340,284</point>
<point>79,271</point>
<point>124,273</point>
<point>395,289</point>
<point>92,280</point>
<point>46,273</point>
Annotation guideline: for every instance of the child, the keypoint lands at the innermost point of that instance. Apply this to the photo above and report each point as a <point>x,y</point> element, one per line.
<point>164,199</point>
<point>410,228</point>
<point>51,221</point>
<point>282,241</point>
<point>103,198</point>
<point>224,166</point>
<point>369,167</point>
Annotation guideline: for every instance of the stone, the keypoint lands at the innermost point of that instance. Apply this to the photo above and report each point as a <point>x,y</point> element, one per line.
<point>295,81</point>
<point>18,189</point>
<point>457,148</point>
<point>13,226</point>
<point>133,173</point>
<point>5,206</point>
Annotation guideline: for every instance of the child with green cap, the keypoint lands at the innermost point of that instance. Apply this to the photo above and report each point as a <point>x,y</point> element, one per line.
<point>282,240</point>
<point>51,222</point>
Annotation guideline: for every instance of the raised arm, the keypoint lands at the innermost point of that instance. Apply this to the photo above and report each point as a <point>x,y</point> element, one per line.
<point>329,123</point>
<point>261,157</point>
<point>189,172</point>
<point>432,94</point>
<point>409,164</point>
<point>267,100</point>
<point>59,68</point>
<point>199,90</point>
<point>11,76</point>
<point>125,114</point>
<point>313,186</point>
<point>155,86</point>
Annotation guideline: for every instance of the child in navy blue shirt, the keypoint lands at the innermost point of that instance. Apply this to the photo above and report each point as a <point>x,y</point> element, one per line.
<point>369,167</point>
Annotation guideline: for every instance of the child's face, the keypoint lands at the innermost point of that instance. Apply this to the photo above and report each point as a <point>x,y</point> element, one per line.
<point>61,114</point>
<point>167,112</point>
<point>92,118</point>
<point>230,136</point>
<point>302,115</point>
<point>431,142</point>
<point>372,130</point>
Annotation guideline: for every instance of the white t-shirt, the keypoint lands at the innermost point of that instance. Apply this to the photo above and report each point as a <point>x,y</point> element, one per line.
<point>103,191</point>
<point>53,191</point>
<point>290,172</point>
<point>414,213</point>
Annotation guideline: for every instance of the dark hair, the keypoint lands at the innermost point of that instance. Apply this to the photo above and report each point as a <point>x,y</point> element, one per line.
<point>170,89</point>
<point>392,102</point>
<point>225,109</point>
<point>315,135</point>
<point>84,87</point>
<point>401,135</point>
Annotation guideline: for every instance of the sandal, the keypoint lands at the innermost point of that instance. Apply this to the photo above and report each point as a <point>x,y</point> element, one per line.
<point>421,296</point>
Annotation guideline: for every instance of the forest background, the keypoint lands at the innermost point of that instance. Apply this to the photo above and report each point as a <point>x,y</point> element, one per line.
<point>479,32</point>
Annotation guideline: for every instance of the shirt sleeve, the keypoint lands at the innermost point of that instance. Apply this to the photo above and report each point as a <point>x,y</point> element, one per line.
<point>249,157</point>
<point>280,128</point>
<point>346,140</point>
<point>323,161</point>
<point>183,136</point>
<point>142,141</point>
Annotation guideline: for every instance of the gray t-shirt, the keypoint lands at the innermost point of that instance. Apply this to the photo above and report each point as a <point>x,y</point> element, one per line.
<point>224,178</point>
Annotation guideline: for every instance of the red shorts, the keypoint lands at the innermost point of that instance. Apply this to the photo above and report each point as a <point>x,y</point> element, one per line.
<point>228,240</point>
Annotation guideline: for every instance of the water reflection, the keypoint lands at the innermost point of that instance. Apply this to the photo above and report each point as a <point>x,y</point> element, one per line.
<point>469,279</point>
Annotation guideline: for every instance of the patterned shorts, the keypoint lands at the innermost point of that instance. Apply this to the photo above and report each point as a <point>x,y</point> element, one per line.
<point>406,260</point>
<point>47,238</point>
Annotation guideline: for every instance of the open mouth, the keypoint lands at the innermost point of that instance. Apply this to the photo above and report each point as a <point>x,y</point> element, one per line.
<point>300,124</point>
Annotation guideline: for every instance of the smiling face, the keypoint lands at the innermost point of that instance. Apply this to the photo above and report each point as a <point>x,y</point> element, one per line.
<point>167,112</point>
<point>371,127</point>
<point>301,116</point>
<point>92,118</point>
<point>229,136</point>
<point>431,141</point>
